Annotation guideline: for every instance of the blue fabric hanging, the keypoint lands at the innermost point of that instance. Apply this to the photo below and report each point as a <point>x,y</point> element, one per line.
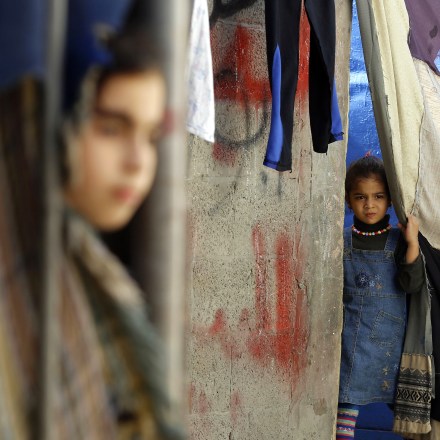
<point>23,25</point>
<point>22,39</point>
<point>82,47</point>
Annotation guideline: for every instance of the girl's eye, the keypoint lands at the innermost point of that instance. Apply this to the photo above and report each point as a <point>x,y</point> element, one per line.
<point>380,196</point>
<point>109,127</point>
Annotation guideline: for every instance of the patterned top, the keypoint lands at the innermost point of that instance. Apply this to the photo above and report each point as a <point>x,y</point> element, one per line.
<point>110,382</point>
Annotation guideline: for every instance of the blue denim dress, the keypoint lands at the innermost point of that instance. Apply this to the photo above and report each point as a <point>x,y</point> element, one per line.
<point>374,323</point>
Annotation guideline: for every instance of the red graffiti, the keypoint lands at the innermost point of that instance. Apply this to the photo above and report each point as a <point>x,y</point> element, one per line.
<point>219,328</point>
<point>235,80</point>
<point>235,407</point>
<point>288,344</point>
<point>263,321</point>
<point>302,88</point>
<point>236,83</point>
<point>201,405</point>
<point>198,402</point>
<point>221,153</point>
<point>219,324</point>
<point>284,302</point>
<point>284,339</point>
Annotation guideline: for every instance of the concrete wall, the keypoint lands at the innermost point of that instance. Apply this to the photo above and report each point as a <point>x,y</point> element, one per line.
<point>265,251</point>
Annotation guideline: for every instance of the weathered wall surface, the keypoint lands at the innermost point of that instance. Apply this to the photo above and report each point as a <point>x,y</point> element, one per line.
<point>265,251</point>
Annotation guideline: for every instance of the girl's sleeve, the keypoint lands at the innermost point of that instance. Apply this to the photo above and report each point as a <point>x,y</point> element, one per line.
<point>410,276</point>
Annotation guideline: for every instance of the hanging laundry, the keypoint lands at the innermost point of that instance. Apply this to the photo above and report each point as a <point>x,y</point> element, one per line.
<point>424,37</point>
<point>432,261</point>
<point>282,38</point>
<point>201,109</point>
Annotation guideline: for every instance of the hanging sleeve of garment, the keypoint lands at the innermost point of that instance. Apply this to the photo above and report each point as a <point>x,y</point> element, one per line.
<point>424,37</point>
<point>282,40</point>
<point>201,108</point>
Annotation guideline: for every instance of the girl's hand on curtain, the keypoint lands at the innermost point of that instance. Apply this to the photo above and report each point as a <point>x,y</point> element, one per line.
<point>410,232</point>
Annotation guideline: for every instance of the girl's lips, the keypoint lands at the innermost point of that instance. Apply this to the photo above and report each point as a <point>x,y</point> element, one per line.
<point>370,215</point>
<point>126,195</point>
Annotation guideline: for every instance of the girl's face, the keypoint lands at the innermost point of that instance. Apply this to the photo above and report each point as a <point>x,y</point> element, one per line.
<point>116,155</point>
<point>369,200</point>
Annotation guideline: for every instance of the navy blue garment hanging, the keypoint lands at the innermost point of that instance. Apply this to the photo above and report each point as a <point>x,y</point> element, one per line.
<point>22,40</point>
<point>282,39</point>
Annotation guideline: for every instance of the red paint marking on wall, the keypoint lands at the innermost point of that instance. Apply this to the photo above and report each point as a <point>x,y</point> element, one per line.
<point>204,405</point>
<point>235,72</point>
<point>259,344</point>
<point>235,407</point>
<point>198,401</point>
<point>286,338</point>
<point>235,80</point>
<point>288,342</point>
<point>285,305</point>
<point>222,154</point>
<point>191,397</point>
<point>219,325</point>
<point>243,323</point>
<point>263,321</point>
<point>302,89</point>
<point>220,330</point>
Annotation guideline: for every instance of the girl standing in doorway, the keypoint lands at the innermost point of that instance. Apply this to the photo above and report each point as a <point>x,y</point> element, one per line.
<point>379,269</point>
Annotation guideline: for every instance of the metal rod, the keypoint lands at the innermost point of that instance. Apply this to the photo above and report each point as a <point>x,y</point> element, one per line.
<point>49,360</point>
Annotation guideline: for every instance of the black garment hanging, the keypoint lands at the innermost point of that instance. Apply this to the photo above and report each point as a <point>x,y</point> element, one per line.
<point>282,38</point>
<point>432,259</point>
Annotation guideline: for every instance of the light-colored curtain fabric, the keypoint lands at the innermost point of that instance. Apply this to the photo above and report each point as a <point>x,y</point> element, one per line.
<point>396,95</point>
<point>406,103</point>
<point>427,200</point>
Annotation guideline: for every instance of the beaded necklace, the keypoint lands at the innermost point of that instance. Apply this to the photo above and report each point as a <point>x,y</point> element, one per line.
<point>380,231</point>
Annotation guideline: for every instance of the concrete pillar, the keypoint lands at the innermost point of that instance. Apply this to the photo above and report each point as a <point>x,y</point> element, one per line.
<point>265,250</point>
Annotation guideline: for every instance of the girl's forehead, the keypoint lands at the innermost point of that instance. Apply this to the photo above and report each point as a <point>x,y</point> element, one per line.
<point>137,97</point>
<point>370,183</point>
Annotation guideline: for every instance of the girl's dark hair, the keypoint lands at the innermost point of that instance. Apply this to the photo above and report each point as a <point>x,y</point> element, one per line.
<point>134,47</point>
<point>364,168</point>
<point>131,51</point>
